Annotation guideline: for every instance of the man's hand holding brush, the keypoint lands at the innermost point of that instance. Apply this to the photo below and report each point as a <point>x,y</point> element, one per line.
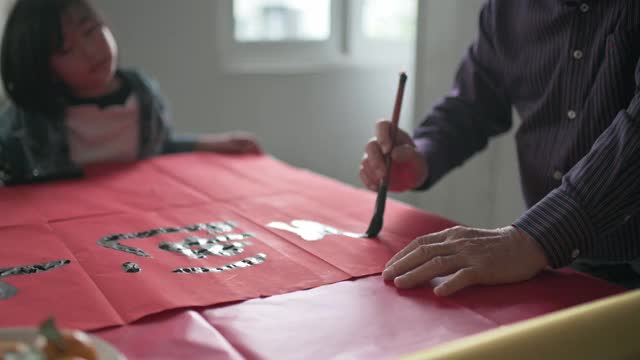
<point>409,168</point>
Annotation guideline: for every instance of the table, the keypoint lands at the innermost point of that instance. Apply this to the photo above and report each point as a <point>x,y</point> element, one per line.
<point>354,316</point>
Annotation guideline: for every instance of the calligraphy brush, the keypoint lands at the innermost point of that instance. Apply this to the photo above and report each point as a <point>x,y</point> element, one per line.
<point>376,221</point>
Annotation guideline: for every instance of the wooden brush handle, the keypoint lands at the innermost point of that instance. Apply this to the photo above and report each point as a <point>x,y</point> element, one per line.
<point>395,119</point>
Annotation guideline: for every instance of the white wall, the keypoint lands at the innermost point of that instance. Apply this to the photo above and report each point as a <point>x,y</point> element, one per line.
<point>320,119</point>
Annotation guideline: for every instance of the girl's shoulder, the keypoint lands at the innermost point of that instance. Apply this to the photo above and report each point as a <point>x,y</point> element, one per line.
<point>11,119</point>
<point>139,79</point>
<point>144,86</point>
<point>20,125</point>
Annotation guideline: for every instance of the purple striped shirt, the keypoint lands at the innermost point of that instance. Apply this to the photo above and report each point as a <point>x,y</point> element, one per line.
<point>571,70</point>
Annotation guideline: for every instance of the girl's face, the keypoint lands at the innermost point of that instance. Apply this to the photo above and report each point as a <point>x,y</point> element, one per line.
<point>87,60</point>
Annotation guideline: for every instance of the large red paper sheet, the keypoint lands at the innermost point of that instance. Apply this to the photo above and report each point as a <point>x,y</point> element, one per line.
<point>321,189</point>
<point>363,319</point>
<point>370,319</point>
<point>15,210</point>
<point>66,292</point>
<point>107,190</point>
<point>177,192</point>
<point>181,334</point>
<point>357,257</point>
<point>209,175</point>
<point>156,288</point>
<point>65,220</point>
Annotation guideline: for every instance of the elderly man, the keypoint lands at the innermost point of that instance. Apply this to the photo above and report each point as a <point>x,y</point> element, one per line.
<point>571,70</point>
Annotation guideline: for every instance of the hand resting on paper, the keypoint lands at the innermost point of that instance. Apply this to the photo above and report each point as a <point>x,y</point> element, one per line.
<point>473,256</point>
<point>229,143</point>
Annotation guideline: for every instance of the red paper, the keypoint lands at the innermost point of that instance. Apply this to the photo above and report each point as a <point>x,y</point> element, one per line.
<point>326,191</point>
<point>156,288</point>
<point>362,319</point>
<point>357,257</point>
<point>107,190</point>
<point>208,174</point>
<point>183,334</point>
<point>370,319</point>
<point>65,220</point>
<point>66,293</point>
<point>404,220</point>
<point>15,210</point>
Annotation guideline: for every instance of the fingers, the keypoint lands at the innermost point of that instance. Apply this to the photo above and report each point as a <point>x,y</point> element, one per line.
<point>372,167</point>
<point>436,267</point>
<point>374,160</point>
<point>403,153</point>
<point>255,148</point>
<point>460,280</point>
<point>240,142</point>
<point>419,256</point>
<point>473,256</point>
<point>383,135</point>
<point>367,179</point>
<point>374,164</point>
<point>422,240</point>
<point>251,147</point>
<point>243,146</point>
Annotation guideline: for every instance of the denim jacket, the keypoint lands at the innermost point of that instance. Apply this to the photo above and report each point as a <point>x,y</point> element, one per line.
<point>25,158</point>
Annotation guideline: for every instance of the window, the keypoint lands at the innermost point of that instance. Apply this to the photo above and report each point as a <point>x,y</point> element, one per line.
<point>389,20</point>
<point>293,35</point>
<point>281,20</point>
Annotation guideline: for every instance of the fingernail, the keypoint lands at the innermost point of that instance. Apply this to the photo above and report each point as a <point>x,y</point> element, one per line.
<point>387,274</point>
<point>399,282</point>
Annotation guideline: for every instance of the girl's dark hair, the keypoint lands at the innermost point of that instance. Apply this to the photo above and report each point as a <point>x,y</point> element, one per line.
<point>32,34</point>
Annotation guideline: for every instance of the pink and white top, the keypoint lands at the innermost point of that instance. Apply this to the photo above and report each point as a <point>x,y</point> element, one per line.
<point>100,135</point>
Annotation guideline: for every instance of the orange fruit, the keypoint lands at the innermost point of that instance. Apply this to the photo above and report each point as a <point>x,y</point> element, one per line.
<point>14,347</point>
<point>78,346</point>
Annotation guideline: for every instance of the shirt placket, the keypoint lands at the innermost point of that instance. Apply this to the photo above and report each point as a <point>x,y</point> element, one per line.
<point>576,56</point>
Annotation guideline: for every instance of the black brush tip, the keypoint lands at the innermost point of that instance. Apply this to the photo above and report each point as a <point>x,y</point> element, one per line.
<point>378,216</point>
<point>375,226</point>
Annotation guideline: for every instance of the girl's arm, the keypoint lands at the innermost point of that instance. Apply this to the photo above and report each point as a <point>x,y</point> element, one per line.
<point>226,143</point>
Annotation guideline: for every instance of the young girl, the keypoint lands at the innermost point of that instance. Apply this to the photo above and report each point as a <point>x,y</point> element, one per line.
<point>72,106</point>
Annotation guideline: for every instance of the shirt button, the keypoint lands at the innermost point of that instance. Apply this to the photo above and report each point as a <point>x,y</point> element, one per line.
<point>575,253</point>
<point>35,172</point>
<point>577,54</point>
<point>584,7</point>
<point>571,114</point>
<point>627,218</point>
<point>558,175</point>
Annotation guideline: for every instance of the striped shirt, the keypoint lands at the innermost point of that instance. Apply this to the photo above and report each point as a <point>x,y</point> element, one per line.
<point>571,70</point>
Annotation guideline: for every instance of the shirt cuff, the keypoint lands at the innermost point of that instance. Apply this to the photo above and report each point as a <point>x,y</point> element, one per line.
<point>180,144</point>
<point>436,161</point>
<point>561,226</point>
